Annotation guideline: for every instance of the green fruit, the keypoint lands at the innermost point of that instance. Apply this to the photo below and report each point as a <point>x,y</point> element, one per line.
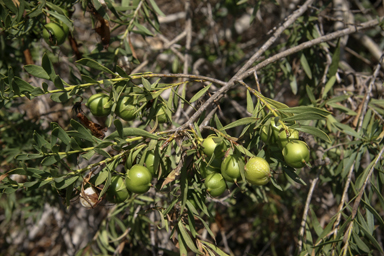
<point>267,136</point>
<point>283,140</point>
<point>213,167</point>
<point>125,109</point>
<point>296,154</point>
<point>117,191</point>
<point>257,171</point>
<point>215,184</point>
<point>138,179</point>
<point>96,103</point>
<point>231,168</point>
<point>210,146</point>
<point>54,34</point>
<point>149,161</point>
<point>276,129</point>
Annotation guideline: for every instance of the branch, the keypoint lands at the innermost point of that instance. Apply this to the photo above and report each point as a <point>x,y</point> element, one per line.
<point>305,213</point>
<point>219,94</point>
<point>308,44</point>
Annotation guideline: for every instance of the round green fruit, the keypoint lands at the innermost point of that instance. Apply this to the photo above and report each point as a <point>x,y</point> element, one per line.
<point>54,34</point>
<point>138,179</point>
<point>267,135</point>
<point>283,140</point>
<point>96,104</point>
<point>276,129</point>
<point>257,171</point>
<point>296,154</point>
<point>215,184</point>
<point>149,161</point>
<point>231,168</point>
<point>210,146</point>
<point>125,109</point>
<point>117,191</point>
<point>213,167</point>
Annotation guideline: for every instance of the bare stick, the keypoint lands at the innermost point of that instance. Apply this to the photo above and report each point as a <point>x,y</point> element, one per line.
<point>308,44</point>
<point>272,39</point>
<point>305,213</point>
<point>368,93</point>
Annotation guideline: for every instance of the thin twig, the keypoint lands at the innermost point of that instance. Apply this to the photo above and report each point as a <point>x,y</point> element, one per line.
<point>308,44</point>
<point>305,213</point>
<point>241,72</point>
<point>368,93</point>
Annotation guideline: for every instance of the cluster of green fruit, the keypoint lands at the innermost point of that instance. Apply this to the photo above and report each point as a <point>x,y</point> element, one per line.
<point>138,180</point>
<point>100,105</point>
<point>217,168</point>
<point>294,151</point>
<point>217,172</point>
<point>55,32</point>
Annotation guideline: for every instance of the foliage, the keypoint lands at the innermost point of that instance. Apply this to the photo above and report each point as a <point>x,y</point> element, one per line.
<point>219,78</point>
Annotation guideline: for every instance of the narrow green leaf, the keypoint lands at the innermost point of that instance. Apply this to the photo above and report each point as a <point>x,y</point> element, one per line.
<point>143,29</point>
<point>276,104</point>
<point>293,175</point>
<point>182,245</point>
<point>362,246</point>
<point>95,65</point>
<point>132,132</point>
<point>29,184</point>
<point>315,222</point>
<point>370,238</point>
<point>347,129</point>
<point>250,106</point>
<point>215,248</point>
<point>370,213</point>
<point>62,135</point>
<point>62,18</point>
<point>188,241</point>
<point>58,83</point>
<point>111,7</point>
<point>305,65</point>
<point>206,226</point>
<point>242,121</point>
<point>146,84</point>
<point>310,94</point>
<point>107,183</point>
<point>48,67</point>
<point>11,6</point>
<point>328,86</point>
<point>28,156</point>
<point>60,97</point>
<point>379,195</point>
<point>304,117</point>
<point>67,182</point>
<point>102,152</point>
<point>50,160</point>
<point>200,93</point>
<point>346,110</point>
<point>312,130</point>
<point>156,8</point>
<point>244,150</point>
<point>305,110</point>
<point>293,84</point>
<point>86,134</point>
<point>119,127</point>
<point>36,71</point>
<point>335,61</point>
<point>21,87</point>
